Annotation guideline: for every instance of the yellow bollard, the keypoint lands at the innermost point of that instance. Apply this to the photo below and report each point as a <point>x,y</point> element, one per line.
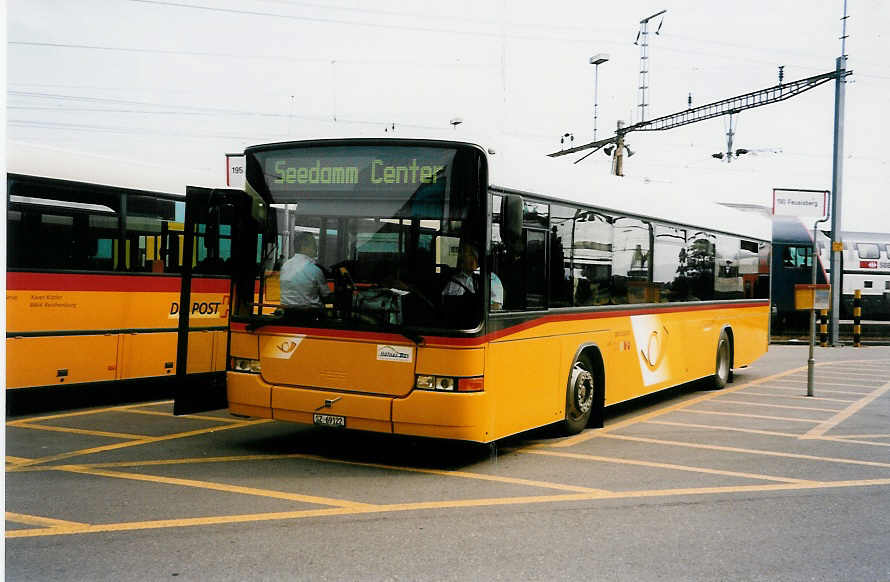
<point>857,318</point>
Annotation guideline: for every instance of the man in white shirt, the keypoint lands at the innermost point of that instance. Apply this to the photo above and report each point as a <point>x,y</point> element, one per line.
<point>462,281</point>
<point>303,283</point>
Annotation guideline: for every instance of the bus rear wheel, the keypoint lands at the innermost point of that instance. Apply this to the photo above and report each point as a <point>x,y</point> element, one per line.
<point>580,397</point>
<point>723,363</point>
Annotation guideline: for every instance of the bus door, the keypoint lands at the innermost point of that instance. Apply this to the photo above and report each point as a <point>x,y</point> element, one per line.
<point>209,230</point>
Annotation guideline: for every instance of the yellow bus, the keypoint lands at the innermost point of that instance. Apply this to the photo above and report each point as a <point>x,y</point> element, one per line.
<point>474,294</point>
<point>93,293</point>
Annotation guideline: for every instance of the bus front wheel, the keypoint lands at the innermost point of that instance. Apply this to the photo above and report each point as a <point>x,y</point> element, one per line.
<point>580,397</point>
<point>723,362</point>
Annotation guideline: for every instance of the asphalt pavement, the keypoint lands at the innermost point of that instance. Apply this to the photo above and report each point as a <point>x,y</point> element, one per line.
<point>753,482</point>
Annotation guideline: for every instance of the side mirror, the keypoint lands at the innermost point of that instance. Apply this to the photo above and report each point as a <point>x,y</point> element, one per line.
<point>511,219</point>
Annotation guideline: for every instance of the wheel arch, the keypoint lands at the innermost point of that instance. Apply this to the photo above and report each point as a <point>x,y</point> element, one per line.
<point>593,353</point>
<point>731,336</point>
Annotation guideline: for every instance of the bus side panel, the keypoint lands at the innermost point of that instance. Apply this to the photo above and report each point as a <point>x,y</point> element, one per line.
<point>45,361</point>
<point>454,416</point>
<point>750,333</point>
<point>38,302</point>
<point>39,309</point>
<point>450,361</point>
<point>522,374</point>
<point>662,346</point>
<point>466,416</point>
<point>200,352</point>
<point>147,354</point>
<point>220,341</point>
<point>702,333</point>
<point>621,360</point>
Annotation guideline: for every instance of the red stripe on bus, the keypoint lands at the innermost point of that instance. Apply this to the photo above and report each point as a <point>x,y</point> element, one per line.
<point>125,283</point>
<point>443,341</point>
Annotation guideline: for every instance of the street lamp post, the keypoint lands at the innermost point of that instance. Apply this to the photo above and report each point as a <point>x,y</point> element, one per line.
<point>596,61</point>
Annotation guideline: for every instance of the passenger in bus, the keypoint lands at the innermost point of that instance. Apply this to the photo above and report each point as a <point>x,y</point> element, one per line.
<point>464,280</point>
<point>303,283</point>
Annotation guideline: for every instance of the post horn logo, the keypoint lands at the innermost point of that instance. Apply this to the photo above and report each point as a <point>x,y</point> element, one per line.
<point>655,349</point>
<point>287,346</point>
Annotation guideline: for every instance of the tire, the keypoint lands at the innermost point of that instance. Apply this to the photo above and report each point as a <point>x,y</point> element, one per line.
<point>722,363</point>
<point>580,397</point>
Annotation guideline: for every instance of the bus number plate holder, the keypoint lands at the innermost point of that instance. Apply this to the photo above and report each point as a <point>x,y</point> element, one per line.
<point>329,420</point>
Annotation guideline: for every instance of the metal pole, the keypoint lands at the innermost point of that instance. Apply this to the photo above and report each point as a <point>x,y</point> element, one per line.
<point>811,362</point>
<point>644,66</point>
<point>618,156</point>
<point>596,71</point>
<point>836,190</point>
<point>729,136</point>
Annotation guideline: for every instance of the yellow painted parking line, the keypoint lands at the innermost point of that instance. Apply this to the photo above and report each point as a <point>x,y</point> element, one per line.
<point>726,428</point>
<point>861,436</point>
<point>459,474</point>
<point>41,521</point>
<point>146,441</point>
<point>180,461</point>
<point>593,433</point>
<point>852,441</point>
<point>170,415</point>
<point>796,396</point>
<point>850,377</point>
<point>826,387</point>
<point>14,460</point>
<point>801,388</point>
<point>215,487</point>
<point>846,413</point>
<point>464,475</point>
<point>102,433</point>
<point>79,413</point>
<point>244,458</point>
<point>744,415</point>
<point>651,464</point>
<point>865,385</point>
<point>747,451</point>
<point>186,522</point>
<point>767,405</point>
<point>876,367</point>
<point>845,374</point>
<point>429,505</point>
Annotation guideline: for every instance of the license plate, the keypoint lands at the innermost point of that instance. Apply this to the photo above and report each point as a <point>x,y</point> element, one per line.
<point>329,420</point>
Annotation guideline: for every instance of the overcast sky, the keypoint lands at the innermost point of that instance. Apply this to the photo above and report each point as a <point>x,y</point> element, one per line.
<point>173,86</point>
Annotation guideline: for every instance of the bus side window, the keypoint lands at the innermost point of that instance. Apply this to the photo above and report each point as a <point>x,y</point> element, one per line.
<point>592,258</point>
<point>631,261</point>
<point>560,260</point>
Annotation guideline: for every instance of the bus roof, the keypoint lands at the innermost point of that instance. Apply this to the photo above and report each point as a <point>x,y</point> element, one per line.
<point>33,160</point>
<point>561,179</point>
<point>513,166</point>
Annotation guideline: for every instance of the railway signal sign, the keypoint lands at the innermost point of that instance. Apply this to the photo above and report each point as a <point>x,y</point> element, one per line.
<point>800,203</point>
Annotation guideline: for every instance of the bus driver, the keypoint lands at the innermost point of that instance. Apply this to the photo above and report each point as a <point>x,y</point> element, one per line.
<point>303,283</point>
<point>463,281</point>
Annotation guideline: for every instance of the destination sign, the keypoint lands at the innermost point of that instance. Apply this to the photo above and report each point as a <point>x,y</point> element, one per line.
<point>379,172</point>
<point>357,169</point>
<point>800,203</point>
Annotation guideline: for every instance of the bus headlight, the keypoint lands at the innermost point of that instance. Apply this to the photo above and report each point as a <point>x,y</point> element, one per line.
<point>246,365</point>
<point>449,383</point>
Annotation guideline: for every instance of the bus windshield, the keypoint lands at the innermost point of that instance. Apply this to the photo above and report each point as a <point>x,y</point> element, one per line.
<point>368,236</point>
